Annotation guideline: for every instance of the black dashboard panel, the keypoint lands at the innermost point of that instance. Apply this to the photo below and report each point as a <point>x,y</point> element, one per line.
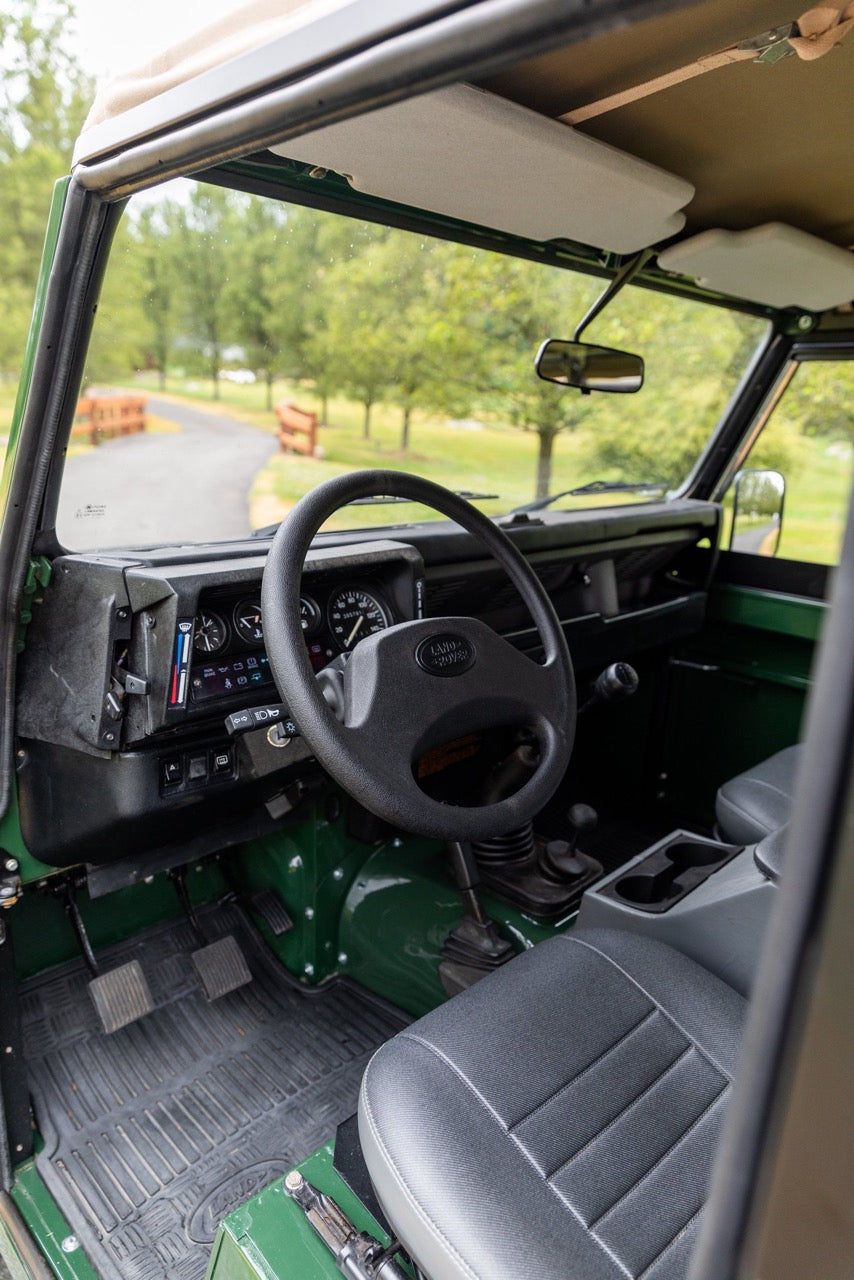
<point>132,662</point>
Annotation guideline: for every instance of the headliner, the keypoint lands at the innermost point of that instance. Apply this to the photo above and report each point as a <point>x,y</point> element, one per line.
<point>760,143</point>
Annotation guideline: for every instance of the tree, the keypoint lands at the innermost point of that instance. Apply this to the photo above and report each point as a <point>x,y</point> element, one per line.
<point>694,355</point>
<point>155,231</point>
<point>315,250</point>
<point>352,336</point>
<point>531,303</point>
<point>210,227</point>
<point>252,297</point>
<point>43,97</point>
<point>413,312</point>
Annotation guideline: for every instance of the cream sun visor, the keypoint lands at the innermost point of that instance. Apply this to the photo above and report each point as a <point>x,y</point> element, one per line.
<point>774,264</point>
<point>474,156</point>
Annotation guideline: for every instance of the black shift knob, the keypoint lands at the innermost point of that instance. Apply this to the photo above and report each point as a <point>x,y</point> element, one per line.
<point>581,818</point>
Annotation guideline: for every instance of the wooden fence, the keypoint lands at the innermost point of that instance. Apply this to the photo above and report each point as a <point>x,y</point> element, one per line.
<point>297,429</point>
<point>100,418</point>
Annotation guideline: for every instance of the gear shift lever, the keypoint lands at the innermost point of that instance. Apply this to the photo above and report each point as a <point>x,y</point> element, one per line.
<point>612,685</point>
<point>560,857</point>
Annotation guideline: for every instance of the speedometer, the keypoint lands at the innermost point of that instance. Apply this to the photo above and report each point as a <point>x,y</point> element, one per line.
<point>354,613</point>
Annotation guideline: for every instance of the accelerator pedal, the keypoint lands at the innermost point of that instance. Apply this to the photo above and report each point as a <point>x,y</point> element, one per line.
<point>271,909</point>
<point>221,967</point>
<point>121,996</point>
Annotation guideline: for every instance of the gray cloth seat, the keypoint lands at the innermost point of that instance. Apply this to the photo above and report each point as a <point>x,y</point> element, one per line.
<point>758,802</point>
<point>559,1119</point>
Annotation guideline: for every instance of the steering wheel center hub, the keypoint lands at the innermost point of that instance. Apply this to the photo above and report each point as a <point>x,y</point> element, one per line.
<point>446,654</point>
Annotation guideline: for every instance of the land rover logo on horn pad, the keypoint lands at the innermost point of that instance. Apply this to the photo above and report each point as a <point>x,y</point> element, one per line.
<point>445,654</point>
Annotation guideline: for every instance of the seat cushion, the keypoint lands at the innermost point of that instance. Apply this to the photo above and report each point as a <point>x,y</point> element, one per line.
<point>758,802</point>
<point>560,1118</point>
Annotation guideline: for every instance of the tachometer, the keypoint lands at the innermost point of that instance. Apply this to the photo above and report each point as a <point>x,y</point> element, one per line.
<point>247,621</point>
<point>210,633</point>
<point>354,613</point>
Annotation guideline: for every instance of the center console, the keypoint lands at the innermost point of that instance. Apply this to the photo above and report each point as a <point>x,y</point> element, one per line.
<point>709,900</point>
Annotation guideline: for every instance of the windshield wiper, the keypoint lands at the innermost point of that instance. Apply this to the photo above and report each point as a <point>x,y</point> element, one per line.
<point>380,501</point>
<point>595,486</point>
<point>269,530</point>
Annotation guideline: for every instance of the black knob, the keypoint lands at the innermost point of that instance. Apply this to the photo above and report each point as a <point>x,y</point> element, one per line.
<point>617,681</point>
<point>581,818</point>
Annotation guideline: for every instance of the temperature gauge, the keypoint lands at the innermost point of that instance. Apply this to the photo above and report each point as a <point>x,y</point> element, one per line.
<point>247,622</point>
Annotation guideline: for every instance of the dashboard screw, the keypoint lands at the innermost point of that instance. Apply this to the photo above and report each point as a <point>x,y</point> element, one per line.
<point>150,620</point>
<point>70,1244</point>
<point>343,957</point>
<point>309,913</point>
<point>396,842</point>
<point>294,1180</point>
<point>308,970</point>
<point>108,737</point>
<point>11,864</point>
<point>122,613</point>
<point>338,874</point>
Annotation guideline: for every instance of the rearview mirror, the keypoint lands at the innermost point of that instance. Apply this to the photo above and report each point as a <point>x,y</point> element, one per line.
<point>757,511</point>
<point>579,364</point>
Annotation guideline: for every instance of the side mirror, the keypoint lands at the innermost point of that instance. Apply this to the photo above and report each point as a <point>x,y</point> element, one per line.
<point>757,512</point>
<point>579,364</point>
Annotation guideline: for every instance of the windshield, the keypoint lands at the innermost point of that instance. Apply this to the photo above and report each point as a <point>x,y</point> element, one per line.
<point>246,349</point>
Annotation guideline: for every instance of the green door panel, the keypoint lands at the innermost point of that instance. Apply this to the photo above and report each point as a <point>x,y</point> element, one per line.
<point>736,692</point>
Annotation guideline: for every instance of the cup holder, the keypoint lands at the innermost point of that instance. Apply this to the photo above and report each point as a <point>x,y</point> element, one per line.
<point>670,870</point>
<point>689,853</point>
<point>643,890</point>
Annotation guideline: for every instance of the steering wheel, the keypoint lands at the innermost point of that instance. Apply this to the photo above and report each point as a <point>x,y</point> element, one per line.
<point>418,684</point>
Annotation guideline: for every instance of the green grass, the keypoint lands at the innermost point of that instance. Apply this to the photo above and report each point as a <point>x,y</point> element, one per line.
<point>497,458</point>
<point>816,506</point>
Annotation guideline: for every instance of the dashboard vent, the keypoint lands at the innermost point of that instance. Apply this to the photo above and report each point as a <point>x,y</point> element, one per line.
<point>487,592</point>
<point>644,562</point>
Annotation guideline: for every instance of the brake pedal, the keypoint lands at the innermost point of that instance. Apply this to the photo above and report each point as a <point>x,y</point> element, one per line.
<point>221,967</point>
<point>121,996</point>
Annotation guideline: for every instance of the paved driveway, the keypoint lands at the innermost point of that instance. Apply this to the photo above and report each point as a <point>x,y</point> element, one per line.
<point>188,486</point>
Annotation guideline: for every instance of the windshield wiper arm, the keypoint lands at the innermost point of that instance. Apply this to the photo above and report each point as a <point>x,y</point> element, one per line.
<point>595,486</point>
<point>269,530</point>
<point>380,501</point>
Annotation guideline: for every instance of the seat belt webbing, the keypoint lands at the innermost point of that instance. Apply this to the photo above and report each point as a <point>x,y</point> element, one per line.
<point>812,36</point>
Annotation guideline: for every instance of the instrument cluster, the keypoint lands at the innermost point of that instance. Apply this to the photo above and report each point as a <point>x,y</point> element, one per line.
<point>228,653</point>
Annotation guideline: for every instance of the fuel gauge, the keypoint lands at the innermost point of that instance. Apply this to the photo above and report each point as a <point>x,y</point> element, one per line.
<point>309,615</point>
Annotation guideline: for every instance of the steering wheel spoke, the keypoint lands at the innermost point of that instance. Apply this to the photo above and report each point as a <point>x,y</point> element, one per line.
<point>418,685</point>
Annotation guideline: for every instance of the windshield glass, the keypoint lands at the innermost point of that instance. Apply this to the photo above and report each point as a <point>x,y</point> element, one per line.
<point>246,349</point>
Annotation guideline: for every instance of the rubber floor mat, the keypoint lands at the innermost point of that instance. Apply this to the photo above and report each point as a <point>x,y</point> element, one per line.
<point>153,1133</point>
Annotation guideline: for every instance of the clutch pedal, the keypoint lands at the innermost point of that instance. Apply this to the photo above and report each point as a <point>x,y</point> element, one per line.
<point>121,995</point>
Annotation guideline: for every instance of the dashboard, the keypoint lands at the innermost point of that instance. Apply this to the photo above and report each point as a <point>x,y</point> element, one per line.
<point>133,662</point>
